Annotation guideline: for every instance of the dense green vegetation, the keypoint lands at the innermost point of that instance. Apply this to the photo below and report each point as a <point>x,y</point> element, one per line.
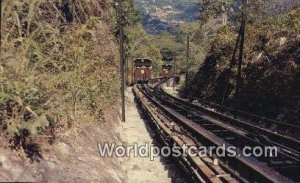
<point>270,68</point>
<point>58,69</point>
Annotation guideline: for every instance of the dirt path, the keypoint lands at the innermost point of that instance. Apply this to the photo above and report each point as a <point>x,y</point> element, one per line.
<point>140,169</point>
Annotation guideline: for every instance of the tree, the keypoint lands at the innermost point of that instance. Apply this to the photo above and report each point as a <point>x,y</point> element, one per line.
<point>214,9</point>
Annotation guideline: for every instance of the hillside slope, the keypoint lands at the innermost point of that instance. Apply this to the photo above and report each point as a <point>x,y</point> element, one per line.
<point>270,74</point>
<point>58,79</point>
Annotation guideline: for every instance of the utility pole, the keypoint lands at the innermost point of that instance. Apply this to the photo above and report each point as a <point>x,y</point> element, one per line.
<point>187,61</point>
<point>0,27</point>
<point>122,60</point>
<point>127,70</point>
<point>174,73</point>
<point>241,53</point>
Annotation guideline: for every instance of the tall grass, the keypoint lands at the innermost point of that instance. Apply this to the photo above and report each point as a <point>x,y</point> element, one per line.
<point>58,67</point>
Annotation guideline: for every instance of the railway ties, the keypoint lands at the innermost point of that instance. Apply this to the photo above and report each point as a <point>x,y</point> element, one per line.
<point>283,128</point>
<point>286,142</point>
<point>287,163</point>
<point>199,169</point>
<point>280,130</point>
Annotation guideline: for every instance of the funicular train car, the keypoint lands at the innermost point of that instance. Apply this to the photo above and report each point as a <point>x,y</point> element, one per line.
<point>167,70</point>
<point>142,70</point>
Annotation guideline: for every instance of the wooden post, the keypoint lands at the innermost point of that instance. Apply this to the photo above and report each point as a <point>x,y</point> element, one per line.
<point>122,60</point>
<point>187,61</point>
<point>174,73</point>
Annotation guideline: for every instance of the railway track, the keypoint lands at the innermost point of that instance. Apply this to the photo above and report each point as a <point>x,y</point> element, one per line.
<point>203,129</point>
<point>287,142</point>
<point>287,129</point>
<point>200,169</point>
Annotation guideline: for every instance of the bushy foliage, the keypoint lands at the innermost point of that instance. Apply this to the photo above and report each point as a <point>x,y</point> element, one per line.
<point>58,68</point>
<point>270,70</point>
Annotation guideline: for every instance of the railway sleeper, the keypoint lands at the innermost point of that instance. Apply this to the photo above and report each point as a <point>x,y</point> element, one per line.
<point>212,127</point>
<point>192,128</point>
<point>205,174</point>
<point>260,126</point>
<point>275,177</point>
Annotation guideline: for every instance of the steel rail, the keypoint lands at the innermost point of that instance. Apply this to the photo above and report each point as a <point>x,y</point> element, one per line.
<point>259,171</point>
<point>286,142</point>
<point>199,168</point>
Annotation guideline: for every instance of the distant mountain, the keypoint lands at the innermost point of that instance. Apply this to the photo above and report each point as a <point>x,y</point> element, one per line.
<point>166,15</point>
